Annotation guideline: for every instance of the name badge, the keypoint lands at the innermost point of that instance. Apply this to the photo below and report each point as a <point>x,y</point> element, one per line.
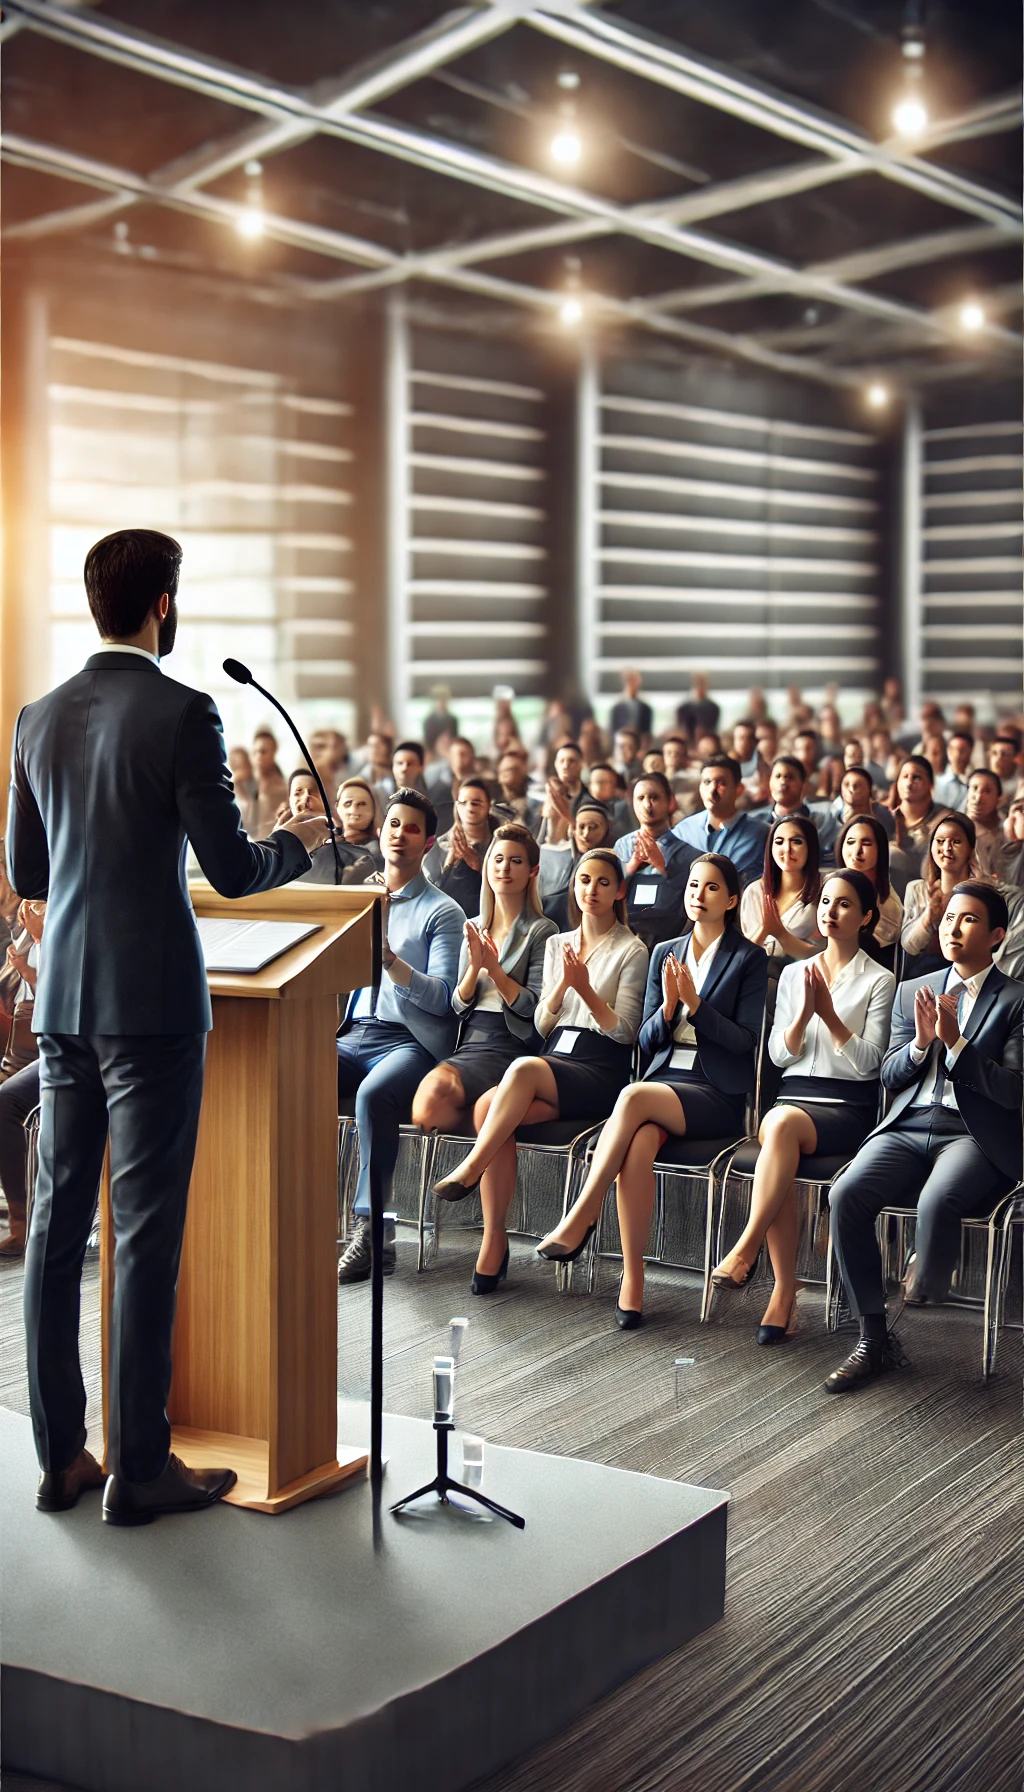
<point>566,1042</point>
<point>645,894</point>
<point>684,1057</point>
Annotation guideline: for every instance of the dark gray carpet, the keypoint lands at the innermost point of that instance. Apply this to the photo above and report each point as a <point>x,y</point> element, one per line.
<point>875,1608</point>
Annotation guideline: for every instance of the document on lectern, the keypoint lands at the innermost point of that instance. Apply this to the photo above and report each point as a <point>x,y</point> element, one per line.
<point>242,946</point>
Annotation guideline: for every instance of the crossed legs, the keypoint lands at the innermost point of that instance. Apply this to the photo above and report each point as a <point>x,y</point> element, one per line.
<point>526,1096</point>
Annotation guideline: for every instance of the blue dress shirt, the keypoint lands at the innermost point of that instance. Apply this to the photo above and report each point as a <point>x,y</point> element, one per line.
<point>424,929</point>
<point>742,840</point>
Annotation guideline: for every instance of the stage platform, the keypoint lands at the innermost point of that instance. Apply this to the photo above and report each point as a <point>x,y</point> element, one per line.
<point>238,1652</point>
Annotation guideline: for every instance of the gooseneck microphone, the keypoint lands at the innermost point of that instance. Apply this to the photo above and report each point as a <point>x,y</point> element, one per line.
<point>242,675</point>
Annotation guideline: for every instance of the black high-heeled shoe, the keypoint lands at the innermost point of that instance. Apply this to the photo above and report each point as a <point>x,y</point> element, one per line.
<point>777,1334</point>
<point>628,1319</point>
<point>554,1253</point>
<point>448,1189</point>
<point>485,1284</point>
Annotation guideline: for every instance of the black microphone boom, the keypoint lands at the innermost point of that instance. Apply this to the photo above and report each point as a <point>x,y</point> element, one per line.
<point>242,675</point>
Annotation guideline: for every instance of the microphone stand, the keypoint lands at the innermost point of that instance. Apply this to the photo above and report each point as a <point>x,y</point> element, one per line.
<point>303,749</point>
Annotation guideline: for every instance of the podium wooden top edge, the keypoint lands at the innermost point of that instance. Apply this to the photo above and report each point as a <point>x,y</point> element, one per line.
<point>316,965</point>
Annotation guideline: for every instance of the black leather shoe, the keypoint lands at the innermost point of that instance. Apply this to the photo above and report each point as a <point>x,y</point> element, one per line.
<point>628,1319</point>
<point>912,1297</point>
<point>356,1260</point>
<point>59,1489</point>
<point>450,1190</point>
<point>556,1253</point>
<point>868,1359</point>
<point>178,1489</point>
<point>485,1284</point>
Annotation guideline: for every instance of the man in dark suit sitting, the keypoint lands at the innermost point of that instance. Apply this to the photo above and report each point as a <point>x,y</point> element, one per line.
<point>112,772</point>
<point>952,1137</point>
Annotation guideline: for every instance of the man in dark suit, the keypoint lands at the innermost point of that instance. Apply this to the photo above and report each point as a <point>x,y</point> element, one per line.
<point>952,1137</point>
<point>111,773</point>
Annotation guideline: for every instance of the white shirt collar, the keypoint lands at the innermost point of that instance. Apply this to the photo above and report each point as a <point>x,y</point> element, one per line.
<point>974,982</point>
<point>119,647</point>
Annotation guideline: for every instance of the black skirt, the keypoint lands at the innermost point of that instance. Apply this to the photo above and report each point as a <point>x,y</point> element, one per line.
<point>709,1112</point>
<point>590,1077</point>
<point>485,1051</point>
<point>843,1112</point>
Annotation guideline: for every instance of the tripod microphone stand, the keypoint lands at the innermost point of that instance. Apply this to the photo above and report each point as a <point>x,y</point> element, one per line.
<point>443,1485</point>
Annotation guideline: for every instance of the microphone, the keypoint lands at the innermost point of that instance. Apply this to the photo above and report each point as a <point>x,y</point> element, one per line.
<point>242,675</point>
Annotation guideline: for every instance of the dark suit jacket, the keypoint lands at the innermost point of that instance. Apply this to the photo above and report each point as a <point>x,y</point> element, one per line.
<point>111,771</point>
<point>988,1075</point>
<point>728,1021</point>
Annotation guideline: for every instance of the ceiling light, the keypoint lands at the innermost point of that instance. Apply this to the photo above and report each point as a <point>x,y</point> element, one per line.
<point>910,116</point>
<point>570,311</point>
<point>566,148</point>
<point>877,396</point>
<point>972,316</point>
<point>910,113</point>
<point>250,223</point>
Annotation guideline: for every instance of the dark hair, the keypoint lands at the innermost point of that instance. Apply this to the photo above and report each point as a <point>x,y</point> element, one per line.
<point>410,746</point>
<point>962,734</point>
<point>985,771</point>
<point>603,766</point>
<point>1007,731</point>
<point>607,857</point>
<point>807,734</point>
<point>771,879</point>
<point>726,760</point>
<point>301,771</point>
<point>571,746</point>
<point>730,877</point>
<point>660,780</point>
<point>264,733</point>
<point>859,771</point>
<point>125,575</point>
<point>475,783</point>
<point>881,847</point>
<point>967,829</point>
<point>794,765</point>
<point>745,722</point>
<point>459,740</point>
<point>923,764</point>
<point>591,806</point>
<point>868,898</point>
<point>987,894</point>
<point>679,740</point>
<point>414,799</point>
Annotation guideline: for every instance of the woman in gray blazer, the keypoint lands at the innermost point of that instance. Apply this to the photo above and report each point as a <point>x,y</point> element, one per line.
<point>498,984</point>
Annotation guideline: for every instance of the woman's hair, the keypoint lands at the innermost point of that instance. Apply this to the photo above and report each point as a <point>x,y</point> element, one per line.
<point>771,879</point>
<point>361,784</point>
<point>596,808</point>
<point>867,896</point>
<point>516,835</point>
<point>969,832</point>
<point>730,877</point>
<point>881,847</point>
<point>606,857</point>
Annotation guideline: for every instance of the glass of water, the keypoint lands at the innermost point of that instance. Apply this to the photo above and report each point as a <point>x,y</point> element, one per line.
<point>472,1460</point>
<point>444,1389</point>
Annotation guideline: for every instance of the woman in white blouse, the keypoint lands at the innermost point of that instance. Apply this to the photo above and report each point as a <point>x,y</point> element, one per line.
<point>863,845</point>
<point>829,1037</point>
<point>589,1011</point>
<point>950,858</point>
<point>779,910</point>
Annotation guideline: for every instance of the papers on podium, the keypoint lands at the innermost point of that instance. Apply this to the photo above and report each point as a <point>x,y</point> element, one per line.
<point>241,946</point>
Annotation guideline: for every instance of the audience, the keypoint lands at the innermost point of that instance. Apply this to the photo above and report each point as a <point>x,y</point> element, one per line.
<point>863,845</point>
<point>271,789</point>
<point>984,796</point>
<point>655,863</point>
<point>828,1038</point>
<point>915,812</point>
<point>723,828</point>
<point>455,861</point>
<point>703,1012</point>
<point>631,711</point>
<point>950,860</point>
<point>779,909</point>
<point>590,829</point>
<point>699,713</point>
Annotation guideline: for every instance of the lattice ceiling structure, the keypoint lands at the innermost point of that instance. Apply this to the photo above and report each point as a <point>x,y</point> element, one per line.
<point>738,191</point>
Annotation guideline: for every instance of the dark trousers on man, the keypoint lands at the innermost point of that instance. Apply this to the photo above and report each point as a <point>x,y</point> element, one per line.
<point>926,1157</point>
<point>146,1092</point>
<point>19,1094</point>
<point>382,1064</point>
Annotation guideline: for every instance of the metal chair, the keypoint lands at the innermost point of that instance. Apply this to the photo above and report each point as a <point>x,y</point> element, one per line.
<point>894,1229</point>
<point>348,1159</point>
<point>813,1179</point>
<point>549,1142</point>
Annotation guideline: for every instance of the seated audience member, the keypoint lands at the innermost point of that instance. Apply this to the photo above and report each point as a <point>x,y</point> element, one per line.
<point>385,1049</point>
<point>588,1014</point>
<point>703,1010</point>
<point>806,749</point>
<point>513,782</point>
<point>271,789</point>
<point>830,732</point>
<point>631,711</point>
<point>653,761</point>
<point>655,863</point>
<point>766,734</point>
<point>854,754</point>
<point>360,828</point>
<point>951,1141</point>
<point>408,767</point>
<point>376,766</point>
<point>779,909</point>
<point>455,861</point>
<point>329,752</point>
<point>951,785</point>
<point>439,720</point>
<point>19,1094</point>
<point>829,1036</point>
<point>459,762</point>
<point>500,969</point>
<point>863,845</point>
<point>933,748</point>
<point>505,733</point>
<point>19,1067</point>
<point>787,783</point>
<point>593,745</point>
<point>21,969</point>
<point>706,744</point>
<point>590,829</point>
<point>722,827</point>
<point>915,813</point>
<point>744,748</point>
<point>1003,760</point>
<point>881,764</point>
<point>246,788</point>
<point>757,706</point>
<point>856,797</point>
<point>1011,862</point>
<point>950,860</point>
<point>564,791</point>
<point>984,795</point>
<point>568,773</point>
<point>626,753</point>
<point>699,713</point>
<point>303,796</point>
<point>608,787</point>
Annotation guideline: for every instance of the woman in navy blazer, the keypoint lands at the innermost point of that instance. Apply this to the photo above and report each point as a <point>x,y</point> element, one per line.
<point>703,1010</point>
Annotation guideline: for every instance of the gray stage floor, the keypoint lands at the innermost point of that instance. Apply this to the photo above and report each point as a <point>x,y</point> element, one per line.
<point>875,1602</point>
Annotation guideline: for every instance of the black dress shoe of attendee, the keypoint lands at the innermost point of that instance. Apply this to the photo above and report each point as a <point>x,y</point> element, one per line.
<point>356,1261</point>
<point>628,1319</point>
<point>178,1489</point>
<point>485,1284</point>
<point>556,1253</point>
<point>59,1489</point>
<point>450,1190</point>
<point>869,1358</point>
<point>777,1334</point>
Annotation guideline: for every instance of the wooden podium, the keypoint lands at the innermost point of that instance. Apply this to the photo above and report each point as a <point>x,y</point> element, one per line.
<point>255,1344</point>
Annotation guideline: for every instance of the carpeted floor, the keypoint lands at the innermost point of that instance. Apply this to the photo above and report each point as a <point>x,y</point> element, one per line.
<point>874,1631</point>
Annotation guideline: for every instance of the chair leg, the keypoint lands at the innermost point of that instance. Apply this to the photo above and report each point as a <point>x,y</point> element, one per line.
<point>429,1219</point>
<point>712,1221</point>
<point>346,1131</point>
<point>990,1332</point>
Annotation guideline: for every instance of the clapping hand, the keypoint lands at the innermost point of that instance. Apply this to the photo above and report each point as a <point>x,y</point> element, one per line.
<point>574,972</point>
<point>687,988</point>
<point>459,848</point>
<point>17,962</point>
<point>652,853</point>
<point>558,800</point>
<point>809,1002</point>
<point>947,1022</point>
<point>925,1018</point>
<point>489,952</point>
<point>474,945</point>
<point>670,984</point>
<point>772,924</point>
<point>823,1003</point>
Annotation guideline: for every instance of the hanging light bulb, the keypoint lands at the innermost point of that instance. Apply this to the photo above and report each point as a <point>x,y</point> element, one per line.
<point>877,396</point>
<point>250,223</point>
<point>972,316</point>
<point>910,113</point>
<point>566,146</point>
<point>570,311</point>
